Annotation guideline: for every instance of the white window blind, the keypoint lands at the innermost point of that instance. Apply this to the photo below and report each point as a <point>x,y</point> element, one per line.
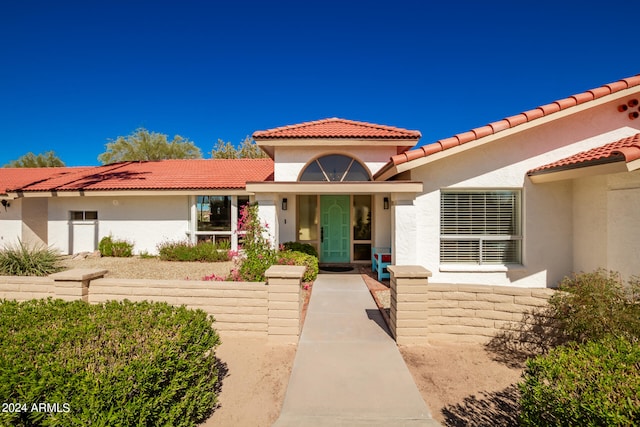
<point>480,227</point>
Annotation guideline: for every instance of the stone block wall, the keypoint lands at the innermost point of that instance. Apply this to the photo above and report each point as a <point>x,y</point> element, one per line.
<point>422,312</point>
<point>271,309</point>
<point>26,288</point>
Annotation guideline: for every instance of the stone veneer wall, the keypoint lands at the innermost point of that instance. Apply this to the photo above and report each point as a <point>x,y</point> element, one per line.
<point>422,312</point>
<point>271,309</point>
<point>26,288</point>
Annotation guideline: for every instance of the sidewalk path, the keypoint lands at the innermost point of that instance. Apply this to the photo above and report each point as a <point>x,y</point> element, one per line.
<point>348,370</point>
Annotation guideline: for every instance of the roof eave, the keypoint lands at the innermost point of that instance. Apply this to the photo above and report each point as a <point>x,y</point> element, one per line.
<point>581,170</point>
<point>455,149</point>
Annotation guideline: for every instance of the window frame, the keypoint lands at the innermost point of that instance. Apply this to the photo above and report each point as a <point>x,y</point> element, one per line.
<point>479,259</point>
<point>232,235</point>
<point>84,216</point>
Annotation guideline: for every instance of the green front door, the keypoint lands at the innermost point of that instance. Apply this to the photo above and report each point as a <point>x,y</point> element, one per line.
<point>334,229</point>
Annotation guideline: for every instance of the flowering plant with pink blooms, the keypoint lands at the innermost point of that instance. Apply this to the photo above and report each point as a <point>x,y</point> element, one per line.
<point>258,254</point>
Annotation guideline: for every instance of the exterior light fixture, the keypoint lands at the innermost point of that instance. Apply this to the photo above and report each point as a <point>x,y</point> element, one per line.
<point>5,203</point>
<point>284,203</point>
<point>385,203</point>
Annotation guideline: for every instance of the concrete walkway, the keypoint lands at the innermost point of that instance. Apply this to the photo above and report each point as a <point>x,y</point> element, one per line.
<point>348,370</point>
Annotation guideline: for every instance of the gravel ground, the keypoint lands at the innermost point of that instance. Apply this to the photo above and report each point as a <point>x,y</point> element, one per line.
<point>151,268</point>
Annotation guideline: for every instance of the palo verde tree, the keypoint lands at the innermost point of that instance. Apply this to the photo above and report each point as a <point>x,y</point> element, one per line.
<point>145,145</point>
<point>248,149</point>
<point>30,160</point>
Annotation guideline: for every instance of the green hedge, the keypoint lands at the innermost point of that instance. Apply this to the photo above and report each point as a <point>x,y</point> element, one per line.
<point>146,364</point>
<point>299,258</point>
<point>592,384</point>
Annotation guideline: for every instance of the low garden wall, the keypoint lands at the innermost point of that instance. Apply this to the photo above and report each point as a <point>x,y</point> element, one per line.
<point>270,309</point>
<point>422,312</point>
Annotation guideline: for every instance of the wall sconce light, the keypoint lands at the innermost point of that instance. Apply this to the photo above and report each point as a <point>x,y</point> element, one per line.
<point>284,203</point>
<point>385,203</point>
<point>6,204</point>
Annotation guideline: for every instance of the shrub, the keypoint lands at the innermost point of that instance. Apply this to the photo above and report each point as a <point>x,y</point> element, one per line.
<point>593,305</point>
<point>22,260</point>
<point>187,251</point>
<point>113,364</point>
<point>301,247</point>
<point>592,384</point>
<point>299,258</point>
<point>258,253</point>
<point>111,247</point>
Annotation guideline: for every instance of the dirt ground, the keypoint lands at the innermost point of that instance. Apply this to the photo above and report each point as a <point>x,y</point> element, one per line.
<point>254,377</point>
<point>461,383</point>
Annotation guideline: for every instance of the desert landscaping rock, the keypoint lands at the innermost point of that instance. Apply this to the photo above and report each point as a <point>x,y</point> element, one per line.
<point>149,268</point>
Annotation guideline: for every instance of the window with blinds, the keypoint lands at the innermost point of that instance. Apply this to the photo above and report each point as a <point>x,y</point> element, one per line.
<point>480,227</point>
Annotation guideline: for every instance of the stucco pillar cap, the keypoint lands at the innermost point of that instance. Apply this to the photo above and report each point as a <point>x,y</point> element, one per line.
<point>286,271</point>
<point>78,275</point>
<point>409,271</point>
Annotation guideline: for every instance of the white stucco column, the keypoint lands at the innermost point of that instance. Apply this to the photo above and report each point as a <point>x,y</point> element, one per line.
<point>403,229</point>
<point>268,214</point>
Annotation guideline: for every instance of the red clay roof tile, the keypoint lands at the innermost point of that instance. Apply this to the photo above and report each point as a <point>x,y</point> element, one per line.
<point>550,108</point>
<point>337,128</point>
<point>430,149</point>
<point>500,125</point>
<point>448,143</point>
<point>153,175</point>
<point>601,91</point>
<point>414,154</point>
<point>633,80</point>
<point>465,137</point>
<point>626,149</point>
<point>534,114</point>
<point>482,131</point>
<point>400,158</point>
<point>516,120</point>
<point>583,97</point>
<point>567,102</point>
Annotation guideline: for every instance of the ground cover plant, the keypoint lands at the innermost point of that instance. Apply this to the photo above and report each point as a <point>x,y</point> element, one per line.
<point>111,247</point>
<point>593,379</point>
<point>24,260</point>
<point>187,251</point>
<point>120,363</point>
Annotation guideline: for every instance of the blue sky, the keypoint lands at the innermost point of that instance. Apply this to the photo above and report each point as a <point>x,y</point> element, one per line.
<point>76,74</point>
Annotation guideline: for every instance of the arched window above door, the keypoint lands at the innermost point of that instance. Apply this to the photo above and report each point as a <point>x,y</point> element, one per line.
<point>335,168</point>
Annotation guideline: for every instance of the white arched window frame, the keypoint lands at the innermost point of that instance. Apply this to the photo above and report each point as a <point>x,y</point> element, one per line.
<point>335,168</point>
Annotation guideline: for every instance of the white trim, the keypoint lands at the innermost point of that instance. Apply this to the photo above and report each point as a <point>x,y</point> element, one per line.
<point>347,187</point>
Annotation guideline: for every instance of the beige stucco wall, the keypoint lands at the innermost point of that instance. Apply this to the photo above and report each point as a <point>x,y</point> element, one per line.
<point>548,229</point>
<point>34,221</point>
<point>606,211</point>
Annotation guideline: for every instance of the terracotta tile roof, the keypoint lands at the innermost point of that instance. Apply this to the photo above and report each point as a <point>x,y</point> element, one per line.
<point>337,128</point>
<point>152,175</point>
<point>626,149</point>
<point>12,178</point>
<point>513,121</point>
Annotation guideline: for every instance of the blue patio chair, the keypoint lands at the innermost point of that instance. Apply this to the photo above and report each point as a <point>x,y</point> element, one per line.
<point>380,260</point>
